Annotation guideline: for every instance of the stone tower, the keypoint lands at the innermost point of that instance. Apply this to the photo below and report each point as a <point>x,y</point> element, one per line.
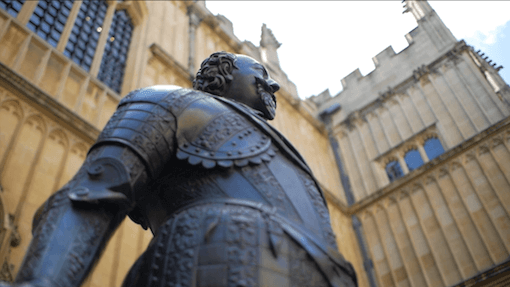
<point>422,144</point>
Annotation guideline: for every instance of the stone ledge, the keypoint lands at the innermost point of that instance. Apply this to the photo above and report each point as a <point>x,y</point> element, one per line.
<point>169,61</point>
<point>43,102</point>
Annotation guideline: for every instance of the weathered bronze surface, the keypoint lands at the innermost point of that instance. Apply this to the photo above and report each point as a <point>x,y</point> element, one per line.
<point>229,200</point>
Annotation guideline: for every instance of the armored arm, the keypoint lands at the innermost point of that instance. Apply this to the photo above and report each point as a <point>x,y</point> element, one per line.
<point>75,223</point>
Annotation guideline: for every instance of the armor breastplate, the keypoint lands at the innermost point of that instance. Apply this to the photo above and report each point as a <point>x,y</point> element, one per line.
<point>211,134</point>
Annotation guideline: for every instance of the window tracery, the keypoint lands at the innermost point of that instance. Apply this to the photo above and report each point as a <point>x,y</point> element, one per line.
<point>393,170</point>
<point>84,36</point>
<point>49,19</point>
<point>413,159</point>
<point>77,29</point>
<point>115,54</point>
<point>411,154</point>
<point>433,148</point>
<point>12,6</point>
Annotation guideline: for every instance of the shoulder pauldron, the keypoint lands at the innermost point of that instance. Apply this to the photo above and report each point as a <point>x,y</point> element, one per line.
<point>226,140</point>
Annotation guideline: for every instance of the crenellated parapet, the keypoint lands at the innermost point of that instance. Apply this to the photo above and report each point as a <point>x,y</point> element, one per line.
<point>430,40</point>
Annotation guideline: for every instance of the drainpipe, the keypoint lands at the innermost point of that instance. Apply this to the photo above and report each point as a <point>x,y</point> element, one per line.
<point>194,21</point>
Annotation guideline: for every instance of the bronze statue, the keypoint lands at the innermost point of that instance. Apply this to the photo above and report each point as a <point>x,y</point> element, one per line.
<point>229,200</point>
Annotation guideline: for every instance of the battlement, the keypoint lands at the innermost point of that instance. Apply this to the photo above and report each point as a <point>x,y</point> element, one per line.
<point>383,57</point>
<point>427,42</point>
<point>352,79</point>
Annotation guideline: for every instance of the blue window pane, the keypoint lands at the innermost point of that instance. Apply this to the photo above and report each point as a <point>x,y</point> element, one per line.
<point>84,35</point>
<point>11,6</point>
<point>413,159</point>
<point>393,170</point>
<point>113,63</point>
<point>45,20</point>
<point>433,148</point>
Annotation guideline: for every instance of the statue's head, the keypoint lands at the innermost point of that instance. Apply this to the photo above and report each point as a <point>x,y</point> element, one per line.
<point>240,78</point>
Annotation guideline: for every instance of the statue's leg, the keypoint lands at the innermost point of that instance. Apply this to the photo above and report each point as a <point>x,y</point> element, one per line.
<point>69,235</point>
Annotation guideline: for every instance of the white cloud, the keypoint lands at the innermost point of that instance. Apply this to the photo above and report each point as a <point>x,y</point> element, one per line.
<point>481,20</point>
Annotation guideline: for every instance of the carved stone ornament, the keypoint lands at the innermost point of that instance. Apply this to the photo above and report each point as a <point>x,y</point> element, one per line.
<point>229,200</point>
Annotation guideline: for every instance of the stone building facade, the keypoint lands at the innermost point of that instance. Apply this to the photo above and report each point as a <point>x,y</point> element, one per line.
<point>423,143</point>
<point>440,223</point>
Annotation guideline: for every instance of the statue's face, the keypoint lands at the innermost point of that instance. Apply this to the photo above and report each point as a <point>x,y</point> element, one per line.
<point>252,86</point>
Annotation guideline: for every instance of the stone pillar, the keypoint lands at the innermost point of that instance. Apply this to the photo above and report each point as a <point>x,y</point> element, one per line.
<point>403,164</point>
<point>422,153</point>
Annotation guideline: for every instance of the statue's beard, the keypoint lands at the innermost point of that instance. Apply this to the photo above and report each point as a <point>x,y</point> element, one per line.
<point>269,101</point>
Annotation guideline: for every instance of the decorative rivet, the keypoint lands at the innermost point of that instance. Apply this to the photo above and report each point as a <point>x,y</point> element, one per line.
<point>264,137</point>
<point>197,150</point>
<point>257,147</point>
<point>98,169</point>
<point>240,137</point>
<point>185,145</point>
<point>234,144</point>
<point>229,153</point>
<point>240,152</point>
<point>211,154</point>
<point>252,149</point>
<point>81,191</point>
<point>249,132</point>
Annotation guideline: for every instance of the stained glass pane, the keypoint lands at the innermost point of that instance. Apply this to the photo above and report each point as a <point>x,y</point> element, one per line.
<point>114,59</point>
<point>413,159</point>
<point>393,170</point>
<point>433,148</point>
<point>49,18</point>
<point>12,6</point>
<point>82,42</point>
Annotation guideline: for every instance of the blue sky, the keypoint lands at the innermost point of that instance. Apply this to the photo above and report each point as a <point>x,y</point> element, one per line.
<point>498,52</point>
<point>324,41</point>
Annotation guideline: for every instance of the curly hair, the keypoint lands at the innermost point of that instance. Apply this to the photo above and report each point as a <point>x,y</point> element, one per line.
<point>215,73</point>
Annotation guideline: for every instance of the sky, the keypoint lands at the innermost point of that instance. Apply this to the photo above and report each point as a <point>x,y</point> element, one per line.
<point>324,41</point>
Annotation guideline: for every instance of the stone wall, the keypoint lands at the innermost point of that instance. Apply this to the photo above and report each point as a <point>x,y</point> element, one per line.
<point>448,221</point>
<point>51,111</point>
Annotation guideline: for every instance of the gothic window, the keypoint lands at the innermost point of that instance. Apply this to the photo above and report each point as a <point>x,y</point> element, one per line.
<point>49,18</point>
<point>11,6</point>
<point>116,50</point>
<point>413,159</point>
<point>88,25</point>
<point>393,170</point>
<point>433,148</point>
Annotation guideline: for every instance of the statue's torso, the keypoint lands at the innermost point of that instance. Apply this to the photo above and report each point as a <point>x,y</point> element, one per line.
<point>228,195</point>
<point>222,154</point>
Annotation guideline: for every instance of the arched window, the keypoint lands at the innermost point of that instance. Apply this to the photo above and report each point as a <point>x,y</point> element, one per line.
<point>115,54</point>
<point>49,18</point>
<point>413,159</point>
<point>11,6</point>
<point>88,25</point>
<point>433,148</point>
<point>393,170</point>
